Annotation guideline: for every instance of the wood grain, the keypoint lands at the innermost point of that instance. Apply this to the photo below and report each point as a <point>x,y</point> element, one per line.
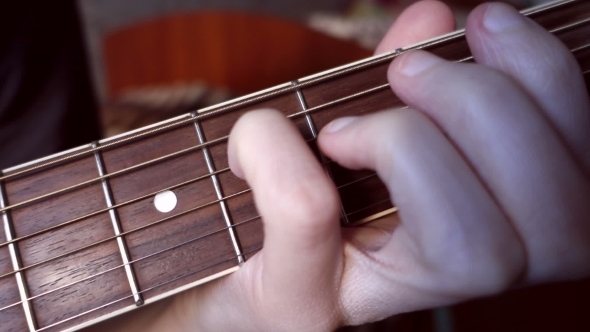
<point>236,47</point>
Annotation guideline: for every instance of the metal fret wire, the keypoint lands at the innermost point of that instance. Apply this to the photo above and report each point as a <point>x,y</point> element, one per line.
<point>315,108</point>
<point>376,60</point>
<point>292,87</point>
<point>71,252</point>
<point>114,216</point>
<point>15,258</point>
<point>218,191</point>
<point>314,132</point>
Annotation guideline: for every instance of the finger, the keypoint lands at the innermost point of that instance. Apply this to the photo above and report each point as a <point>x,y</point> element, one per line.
<point>540,63</point>
<point>419,22</point>
<point>299,207</point>
<point>453,239</point>
<point>513,149</point>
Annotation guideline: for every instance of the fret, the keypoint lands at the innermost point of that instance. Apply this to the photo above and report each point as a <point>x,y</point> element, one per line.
<point>164,245</point>
<point>62,265</point>
<point>219,193</point>
<point>16,263</point>
<point>117,229</point>
<point>314,133</point>
<point>303,105</point>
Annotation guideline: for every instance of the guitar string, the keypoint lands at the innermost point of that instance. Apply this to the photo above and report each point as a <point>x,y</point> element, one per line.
<point>131,262</point>
<point>377,60</point>
<point>577,49</point>
<point>172,248</point>
<point>172,187</point>
<point>369,206</point>
<point>124,233</point>
<point>199,116</point>
<point>145,257</point>
<point>146,290</point>
<point>182,244</point>
<point>199,207</point>
<point>246,102</point>
<point>116,206</point>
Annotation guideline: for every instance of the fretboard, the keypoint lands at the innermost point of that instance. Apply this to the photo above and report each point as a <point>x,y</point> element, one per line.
<point>83,238</point>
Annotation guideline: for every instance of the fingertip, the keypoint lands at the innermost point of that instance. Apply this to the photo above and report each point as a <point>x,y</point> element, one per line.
<point>421,21</point>
<point>412,64</point>
<point>490,21</point>
<point>496,18</point>
<point>408,75</point>
<point>239,134</point>
<point>358,142</point>
<point>337,139</point>
<point>339,124</point>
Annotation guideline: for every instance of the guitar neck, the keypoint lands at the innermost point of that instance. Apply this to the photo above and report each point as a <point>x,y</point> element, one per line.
<point>104,228</point>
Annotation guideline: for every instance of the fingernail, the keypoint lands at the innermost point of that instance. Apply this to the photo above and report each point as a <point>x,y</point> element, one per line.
<point>501,17</point>
<point>416,63</point>
<point>339,124</point>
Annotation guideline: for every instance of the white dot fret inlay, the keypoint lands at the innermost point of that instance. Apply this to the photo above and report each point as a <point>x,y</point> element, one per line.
<point>165,201</point>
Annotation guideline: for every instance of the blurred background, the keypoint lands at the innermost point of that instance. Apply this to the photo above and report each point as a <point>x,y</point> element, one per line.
<point>153,59</point>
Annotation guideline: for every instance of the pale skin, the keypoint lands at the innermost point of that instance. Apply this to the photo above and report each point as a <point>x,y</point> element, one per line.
<point>489,167</point>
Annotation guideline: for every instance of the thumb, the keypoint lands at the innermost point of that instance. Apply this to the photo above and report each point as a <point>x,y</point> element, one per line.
<point>299,206</point>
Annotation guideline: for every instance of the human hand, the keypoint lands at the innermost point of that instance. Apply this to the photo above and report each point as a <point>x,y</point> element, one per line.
<point>488,166</point>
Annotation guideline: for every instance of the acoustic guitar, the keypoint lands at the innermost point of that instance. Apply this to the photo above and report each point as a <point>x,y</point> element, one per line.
<point>114,225</point>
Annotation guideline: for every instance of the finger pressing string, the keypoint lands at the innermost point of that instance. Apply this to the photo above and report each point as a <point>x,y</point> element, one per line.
<point>299,206</point>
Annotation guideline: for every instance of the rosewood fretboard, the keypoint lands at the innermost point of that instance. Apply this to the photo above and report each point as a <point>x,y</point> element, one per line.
<point>82,239</point>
